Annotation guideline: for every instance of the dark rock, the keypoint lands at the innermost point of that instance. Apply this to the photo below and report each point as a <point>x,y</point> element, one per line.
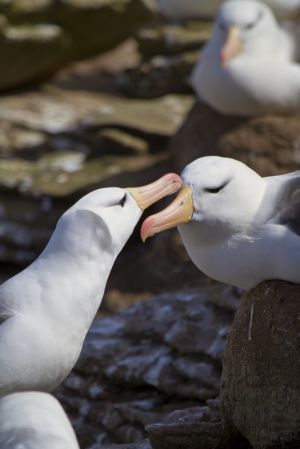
<point>134,370</point>
<point>142,445</point>
<point>268,144</point>
<point>261,382</point>
<point>169,52</point>
<point>192,428</point>
<point>172,39</point>
<point>36,38</point>
<point>159,76</point>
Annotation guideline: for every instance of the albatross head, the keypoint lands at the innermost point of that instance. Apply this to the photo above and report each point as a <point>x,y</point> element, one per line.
<point>243,26</point>
<point>219,197</point>
<point>108,216</point>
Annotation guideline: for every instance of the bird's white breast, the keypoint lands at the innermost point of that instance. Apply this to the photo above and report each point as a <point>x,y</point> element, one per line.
<point>268,252</point>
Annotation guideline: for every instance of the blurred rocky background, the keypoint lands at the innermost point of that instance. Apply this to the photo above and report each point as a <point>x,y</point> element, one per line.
<point>96,93</point>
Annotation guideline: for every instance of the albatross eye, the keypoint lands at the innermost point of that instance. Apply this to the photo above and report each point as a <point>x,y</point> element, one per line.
<point>251,25</point>
<point>215,189</point>
<point>123,201</point>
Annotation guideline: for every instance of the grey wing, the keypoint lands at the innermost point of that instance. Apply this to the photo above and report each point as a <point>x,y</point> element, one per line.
<point>286,200</point>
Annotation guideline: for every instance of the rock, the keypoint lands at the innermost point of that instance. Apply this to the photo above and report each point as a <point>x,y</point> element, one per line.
<point>138,366</point>
<point>191,428</point>
<point>142,445</point>
<point>172,39</point>
<point>268,144</point>
<point>29,52</point>
<point>169,53</point>
<point>159,76</point>
<point>58,145</point>
<point>38,37</point>
<point>261,384</point>
<point>57,111</point>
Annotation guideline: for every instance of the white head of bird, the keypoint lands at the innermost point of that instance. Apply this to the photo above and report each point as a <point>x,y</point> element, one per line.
<point>220,198</point>
<point>237,227</point>
<point>105,218</point>
<point>242,28</point>
<point>102,219</point>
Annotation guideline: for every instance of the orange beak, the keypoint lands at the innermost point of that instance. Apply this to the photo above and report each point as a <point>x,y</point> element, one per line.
<point>147,195</point>
<point>180,211</point>
<point>233,45</point>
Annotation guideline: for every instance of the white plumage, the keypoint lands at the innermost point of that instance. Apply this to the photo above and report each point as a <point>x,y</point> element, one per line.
<point>237,227</point>
<point>47,309</point>
<point>32,420</point>
<point>248,67</point>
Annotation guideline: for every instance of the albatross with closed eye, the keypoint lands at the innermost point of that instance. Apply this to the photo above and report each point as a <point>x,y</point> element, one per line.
<point>237,227</point>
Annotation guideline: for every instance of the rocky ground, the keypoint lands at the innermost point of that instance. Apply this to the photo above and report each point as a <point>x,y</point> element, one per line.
<point>153,366</point>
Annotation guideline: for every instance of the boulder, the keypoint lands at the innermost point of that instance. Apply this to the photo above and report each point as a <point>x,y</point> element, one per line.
<point>191,428</point>
<point>261,383</point>
<point>161,75</point>
<point>142,445</point>
<point>169,53</point>
<point>269,144</point>
<point>38,37</point>
<point>166,39</point>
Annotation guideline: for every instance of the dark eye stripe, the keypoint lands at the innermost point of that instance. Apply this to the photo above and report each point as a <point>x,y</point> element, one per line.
<point>123,201</point>
<point>215,189</point>
<point>252,24</point>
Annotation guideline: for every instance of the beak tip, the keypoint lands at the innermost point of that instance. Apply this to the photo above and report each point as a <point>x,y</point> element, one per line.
<point>147,195</point>
<point>146,229</point>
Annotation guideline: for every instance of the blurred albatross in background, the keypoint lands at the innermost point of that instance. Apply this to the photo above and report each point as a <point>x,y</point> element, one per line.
<point>46,310</point>
<point>248,68</point>
<point>237,227</point>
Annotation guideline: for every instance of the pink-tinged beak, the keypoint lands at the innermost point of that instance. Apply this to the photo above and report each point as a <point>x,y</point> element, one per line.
<point>147,195</point>
<point>233,45</point>
<point>180,211</point>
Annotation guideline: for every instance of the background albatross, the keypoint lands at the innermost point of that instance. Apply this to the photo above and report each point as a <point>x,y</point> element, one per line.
<point>248,67</point>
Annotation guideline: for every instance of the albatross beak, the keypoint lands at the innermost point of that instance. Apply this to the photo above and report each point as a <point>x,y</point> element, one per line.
<point>147,195</point>
<point>180,211</point>
<point>233,45</point>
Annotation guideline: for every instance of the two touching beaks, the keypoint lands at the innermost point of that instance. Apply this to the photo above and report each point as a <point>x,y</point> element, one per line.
<point>180,211</point>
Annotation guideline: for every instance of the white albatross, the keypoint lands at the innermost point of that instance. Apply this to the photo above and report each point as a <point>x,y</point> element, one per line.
<point>47,309</point>
<point>34,420</point>
<point>248,68</point>
<point>237,227</point>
